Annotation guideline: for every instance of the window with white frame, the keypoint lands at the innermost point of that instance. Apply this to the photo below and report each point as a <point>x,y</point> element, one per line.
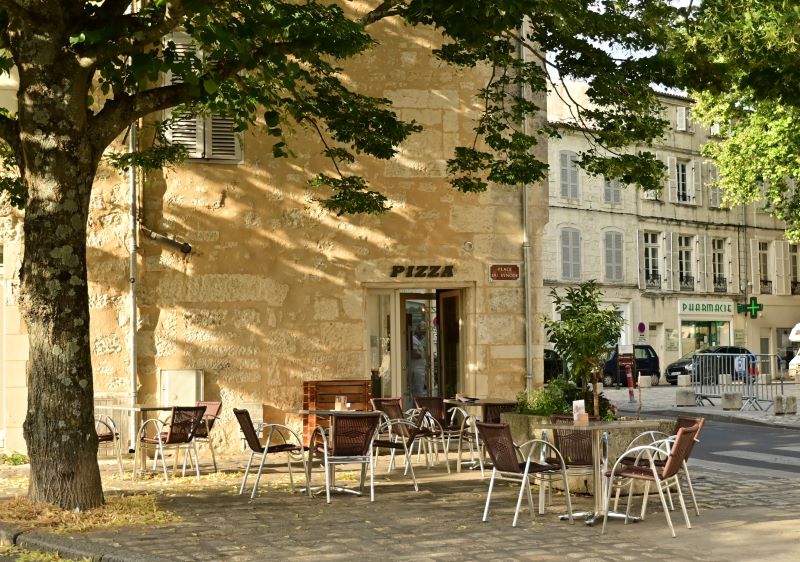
<point>569,174</point>
<point>614,256</point>
<point>763,261</point>
<point>683,116</point>
<point>612,192</point>
<point>718,265</point>
<point>205,137</point>
<point>682,179</point>
<point>685,274</point>
<point>652,251</point>
<point>570,253</point>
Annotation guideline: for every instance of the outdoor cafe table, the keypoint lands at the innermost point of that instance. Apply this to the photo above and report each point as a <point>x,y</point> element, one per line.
<point>598,428</point>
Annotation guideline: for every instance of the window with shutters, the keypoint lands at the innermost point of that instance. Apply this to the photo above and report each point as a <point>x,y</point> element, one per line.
<point>685,272</point>
<point>569,175</point>
<point>715,129</point>
<point>205,137</point>
<point>718,260</point>
<point>570,254</point>
<point>612,192</point>
<point>794,269</point>
<point>763,267</point>
<point>613,256</point>
<point>652,255</point>
<point>683,116</point>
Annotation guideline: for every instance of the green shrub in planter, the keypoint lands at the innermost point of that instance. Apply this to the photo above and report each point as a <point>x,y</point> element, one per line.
<point>556,399</point>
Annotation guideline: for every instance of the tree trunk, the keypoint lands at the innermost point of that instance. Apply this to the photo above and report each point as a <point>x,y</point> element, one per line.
<point>58,164</point>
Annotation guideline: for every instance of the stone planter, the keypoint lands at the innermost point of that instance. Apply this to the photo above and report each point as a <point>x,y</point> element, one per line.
<point>523,428</point>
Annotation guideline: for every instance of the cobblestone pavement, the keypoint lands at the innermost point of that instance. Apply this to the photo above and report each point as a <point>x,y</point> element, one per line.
<point>740,520</point>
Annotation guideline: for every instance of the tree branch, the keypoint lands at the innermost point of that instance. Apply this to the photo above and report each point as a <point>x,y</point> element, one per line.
<point>386,9</point>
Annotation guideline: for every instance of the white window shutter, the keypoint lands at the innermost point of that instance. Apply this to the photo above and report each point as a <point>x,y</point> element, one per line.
<point>695,184</point>
<point>755,270</point>
<point>608,242</point>
<point>564,177</point>
<point>732,266</point>
<point>668,269</point>
<point>672,181</point>
<point>701,251</point>
<point>222,142</point>
<point>565,255</point>
<point>680,118</point>
<point>576,254</point>
<point>783,285</point>
<point>573,177</point>
<point>619,273</point>
<point>715,129</point>
<point>186,128</point>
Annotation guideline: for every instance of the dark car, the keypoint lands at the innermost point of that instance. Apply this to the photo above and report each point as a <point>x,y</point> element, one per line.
<point>646,363</point>
<point>712,362</point>
<point>553,365</point>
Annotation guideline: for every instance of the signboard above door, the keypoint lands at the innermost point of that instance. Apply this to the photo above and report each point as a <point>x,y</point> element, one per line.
<point>422,271</point>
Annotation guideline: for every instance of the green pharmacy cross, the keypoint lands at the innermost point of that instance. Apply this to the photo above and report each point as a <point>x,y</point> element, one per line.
<point>753,307</point>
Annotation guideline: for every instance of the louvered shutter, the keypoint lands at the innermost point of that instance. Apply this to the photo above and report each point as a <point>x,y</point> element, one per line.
<point>564,177</point>
<point>783,285</point>
<point>186,129</point>
<point>696,185</point>
<point>640,257</point>
<point>755,270</point>
<point>680,118</point>
<point>701,251</point>
<point>619,261</point>
<point>672,181</point>
<point>668,266</point>
<point>573,177</point>
<point>222,142</point>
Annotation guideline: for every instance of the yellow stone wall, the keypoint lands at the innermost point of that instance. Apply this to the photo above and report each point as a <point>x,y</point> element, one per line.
<point>274,290</point>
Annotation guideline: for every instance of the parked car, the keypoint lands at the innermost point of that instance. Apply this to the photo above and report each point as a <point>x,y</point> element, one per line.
<point>794,367</point>
<point>712,362</point>
<point>553,365</point>
<point>646,363</point>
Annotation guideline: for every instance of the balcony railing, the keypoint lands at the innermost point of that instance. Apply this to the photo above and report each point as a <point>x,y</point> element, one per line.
<point>687,282</point>
<point>766,286</point>
<point>796,287</point>
<point>652,281</point>
<point>720,284</point>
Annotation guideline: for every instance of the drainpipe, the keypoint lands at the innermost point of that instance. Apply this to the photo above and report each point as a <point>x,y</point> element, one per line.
<point>134,321</point>
<point>526,246</point>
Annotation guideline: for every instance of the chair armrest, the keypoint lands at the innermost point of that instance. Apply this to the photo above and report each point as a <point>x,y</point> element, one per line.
<point>545,445</point>
<point>280,429</point>
<point>652,435</point>
<point>323,434</point>
<point>154,421</point>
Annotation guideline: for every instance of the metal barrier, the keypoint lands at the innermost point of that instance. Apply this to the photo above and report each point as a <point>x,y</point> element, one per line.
<point>759,378</point>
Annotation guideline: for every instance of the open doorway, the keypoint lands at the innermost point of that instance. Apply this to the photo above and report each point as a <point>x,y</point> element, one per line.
<point>415,342</point>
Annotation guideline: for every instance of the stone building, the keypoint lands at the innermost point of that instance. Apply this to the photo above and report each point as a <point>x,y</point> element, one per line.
<point>429,298</point>
<point>675,264</point>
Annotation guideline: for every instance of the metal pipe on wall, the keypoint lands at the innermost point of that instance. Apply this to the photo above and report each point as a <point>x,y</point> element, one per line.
<point>134,320</point>
<point>526,247</point>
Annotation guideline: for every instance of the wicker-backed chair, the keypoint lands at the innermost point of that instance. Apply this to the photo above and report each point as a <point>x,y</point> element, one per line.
<point>203,432</point>
<point>392,407</point>
<point>349,442</point>
<point>512,463</point>
<point>108,436</point>
<point>277,441</point>
<point>664,477</point>
<point>176,433</point>
<point>649,437</point>
<point>445,427</point>
<point>402,435</point>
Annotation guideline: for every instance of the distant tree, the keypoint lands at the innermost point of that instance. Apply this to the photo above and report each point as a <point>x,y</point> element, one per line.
<point>89,68</point>
<point>582,332</point>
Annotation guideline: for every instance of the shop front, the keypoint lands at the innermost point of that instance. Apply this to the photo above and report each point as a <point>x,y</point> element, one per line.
<point>704,323</point>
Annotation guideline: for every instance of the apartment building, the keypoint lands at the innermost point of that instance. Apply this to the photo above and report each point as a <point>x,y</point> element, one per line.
<point>676,264</point>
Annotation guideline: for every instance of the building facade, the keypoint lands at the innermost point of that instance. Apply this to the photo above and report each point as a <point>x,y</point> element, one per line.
<point>676,264</point>
<point>429,298</point>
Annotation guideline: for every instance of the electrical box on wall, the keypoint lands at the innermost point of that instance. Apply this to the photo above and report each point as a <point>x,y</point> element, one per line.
<point>180,387</point>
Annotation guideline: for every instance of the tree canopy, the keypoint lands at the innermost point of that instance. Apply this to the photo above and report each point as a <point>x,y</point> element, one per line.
<point>741,59</point>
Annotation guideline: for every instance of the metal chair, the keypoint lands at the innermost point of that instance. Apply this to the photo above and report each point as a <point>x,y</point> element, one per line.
<point>108,435</point>
<point>175,433</point>
<point>203,431</point>
<point>276,432</point>
<point>664,476</point>
<point>402,434</point>
<point>512,463</point>
<point>349,442</point>
<point>444,429</point>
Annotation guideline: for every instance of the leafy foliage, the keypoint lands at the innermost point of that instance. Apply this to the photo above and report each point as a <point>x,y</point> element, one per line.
<point>556,399</point>
<point>583,331</point>
<point>14,458</point>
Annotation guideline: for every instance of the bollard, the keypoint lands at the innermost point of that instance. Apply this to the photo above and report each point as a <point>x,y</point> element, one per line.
<point>629,377</point>
<point>731,400</point>
<point>685,380</point>
<point>645,381</point>
<point>725,379</point>
<point>685,397</point>
<point>785,405</point>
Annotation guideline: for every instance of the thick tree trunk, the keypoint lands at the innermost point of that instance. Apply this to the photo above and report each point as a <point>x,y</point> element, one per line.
<point>58,164</point>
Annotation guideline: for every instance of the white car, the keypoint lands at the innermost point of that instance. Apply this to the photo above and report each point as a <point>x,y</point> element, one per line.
<point>794,368</point>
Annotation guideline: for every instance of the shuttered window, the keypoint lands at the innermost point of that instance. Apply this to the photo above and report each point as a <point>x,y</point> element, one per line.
<point>204,137</point>
<point>569,175</point>
<point>570,254</point>
<point>613,256</point>
<point>612,192</point>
